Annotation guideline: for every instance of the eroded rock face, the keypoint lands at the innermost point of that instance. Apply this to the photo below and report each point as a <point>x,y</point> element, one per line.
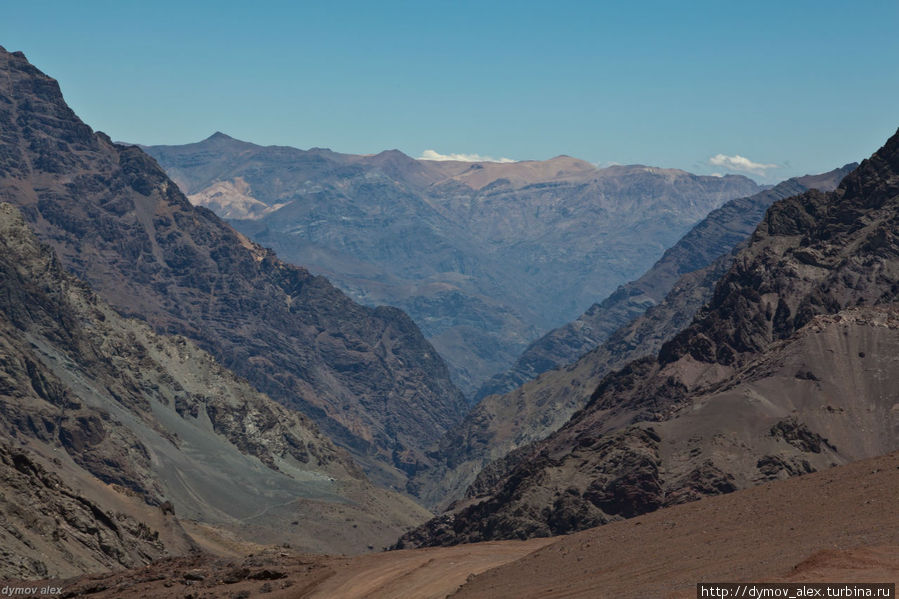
<point>554,496</point>
<point>48,529</point>
<point>813,291</point>
<point>366,375</point>
<point>153,422</point>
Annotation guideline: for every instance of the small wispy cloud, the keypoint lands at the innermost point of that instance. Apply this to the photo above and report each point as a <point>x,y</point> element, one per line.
<point>741,164</point>
<point>434,155</point>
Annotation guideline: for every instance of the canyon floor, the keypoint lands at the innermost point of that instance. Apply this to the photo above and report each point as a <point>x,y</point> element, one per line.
<point>838,525</point>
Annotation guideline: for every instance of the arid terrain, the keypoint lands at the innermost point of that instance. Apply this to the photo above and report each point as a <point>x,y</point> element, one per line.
<point>789,368</point>
<point>183,413</point>
<point>839,525</point>
<point>631,323</point>
<point>366,376</point>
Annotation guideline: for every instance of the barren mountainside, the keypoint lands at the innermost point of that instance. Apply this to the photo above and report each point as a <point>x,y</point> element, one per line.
<point>50,529</point>
<point>483,256</point>
<point>479,448</point>
<point>790,368</point>
<point>836,525</point>
<point>133,418</point>
<point>499,424</point>
<point>366,376</point>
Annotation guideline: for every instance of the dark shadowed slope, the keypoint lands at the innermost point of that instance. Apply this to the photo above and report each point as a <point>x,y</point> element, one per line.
<point>789,368</point>
<point>366,376</point>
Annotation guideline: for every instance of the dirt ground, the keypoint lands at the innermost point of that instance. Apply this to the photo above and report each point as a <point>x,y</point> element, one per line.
<point>840,525</point>
<point>279,574</point>
<point>837,525</point>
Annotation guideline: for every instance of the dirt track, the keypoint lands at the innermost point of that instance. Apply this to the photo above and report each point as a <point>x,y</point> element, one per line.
<point>277,574</point>
<point>420,574</point>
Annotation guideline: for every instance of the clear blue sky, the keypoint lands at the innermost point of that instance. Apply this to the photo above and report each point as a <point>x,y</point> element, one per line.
<point>804,86</point>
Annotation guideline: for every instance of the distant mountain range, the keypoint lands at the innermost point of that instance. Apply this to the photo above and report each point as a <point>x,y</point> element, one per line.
<point>483,256</point>
<point>788,369</point>
<point>713,237</point>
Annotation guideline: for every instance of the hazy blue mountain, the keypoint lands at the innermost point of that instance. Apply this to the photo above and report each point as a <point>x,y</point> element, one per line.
<point>483,256</point>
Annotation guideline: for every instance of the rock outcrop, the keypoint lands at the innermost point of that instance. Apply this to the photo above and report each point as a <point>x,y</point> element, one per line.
<point>49,529</point>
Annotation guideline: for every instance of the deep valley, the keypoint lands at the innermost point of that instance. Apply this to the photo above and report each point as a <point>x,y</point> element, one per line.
<point>238,370</point>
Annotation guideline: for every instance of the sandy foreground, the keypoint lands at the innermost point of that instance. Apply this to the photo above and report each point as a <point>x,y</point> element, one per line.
<point>840,525</point>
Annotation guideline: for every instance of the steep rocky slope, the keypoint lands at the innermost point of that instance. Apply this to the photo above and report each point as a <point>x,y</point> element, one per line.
<point>113,405</point>
<point>714,236</point>
<point>788,369</point>
<point>499,424</point>
<point>366,375</point>
<point>47,528</point>
<point>483,256</point>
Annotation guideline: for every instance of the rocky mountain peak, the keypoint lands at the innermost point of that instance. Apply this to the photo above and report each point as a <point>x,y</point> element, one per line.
<point>219,136</point>
<point>876,180</point>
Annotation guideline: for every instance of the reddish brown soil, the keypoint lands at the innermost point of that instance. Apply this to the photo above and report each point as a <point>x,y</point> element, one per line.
<point>281,574</point>
<point>841,525</point>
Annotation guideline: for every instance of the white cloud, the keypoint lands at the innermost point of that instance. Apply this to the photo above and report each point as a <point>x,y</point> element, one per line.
<point>740,163</point>
<point>433,155</point>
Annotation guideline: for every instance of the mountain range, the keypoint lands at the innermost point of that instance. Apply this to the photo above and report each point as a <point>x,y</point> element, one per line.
<point>181,406</point>
<point>647,312</point>
<point>483,256</point>
<point>714,236</point>
<point>788,369</point>
<point>153,422</point>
